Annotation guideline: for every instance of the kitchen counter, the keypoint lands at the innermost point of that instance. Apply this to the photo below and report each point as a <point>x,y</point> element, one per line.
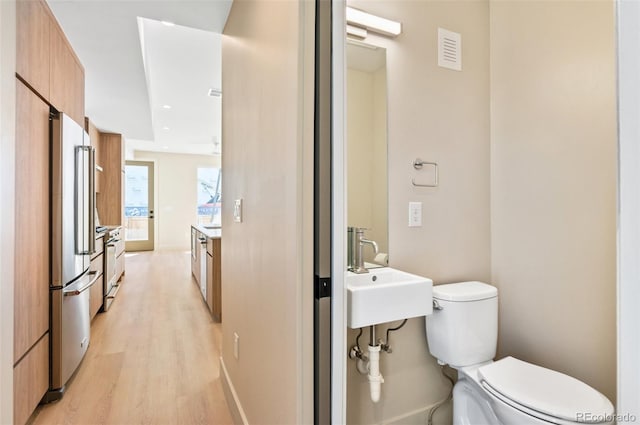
<point>214,233</point>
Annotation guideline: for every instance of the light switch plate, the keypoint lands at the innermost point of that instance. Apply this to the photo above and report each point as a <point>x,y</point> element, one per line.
<point>236,346</point>
<point>237,211</point>
<point>415,214</point>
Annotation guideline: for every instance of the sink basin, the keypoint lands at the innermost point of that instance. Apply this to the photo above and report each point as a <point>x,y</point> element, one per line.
<point>386,294</point>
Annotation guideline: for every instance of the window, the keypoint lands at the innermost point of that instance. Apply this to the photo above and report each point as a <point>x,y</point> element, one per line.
<point>209,196</point>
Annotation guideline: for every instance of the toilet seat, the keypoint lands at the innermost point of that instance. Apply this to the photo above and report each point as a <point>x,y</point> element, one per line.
<point>543,393</point>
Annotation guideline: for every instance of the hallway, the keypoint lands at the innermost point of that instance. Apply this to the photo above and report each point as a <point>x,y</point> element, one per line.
<point>153,357</point>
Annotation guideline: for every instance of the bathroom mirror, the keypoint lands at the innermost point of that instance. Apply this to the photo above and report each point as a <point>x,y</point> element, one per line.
<point>367,204</point>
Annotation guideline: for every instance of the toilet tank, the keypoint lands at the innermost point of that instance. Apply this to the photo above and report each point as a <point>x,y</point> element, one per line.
<point>463,329</point>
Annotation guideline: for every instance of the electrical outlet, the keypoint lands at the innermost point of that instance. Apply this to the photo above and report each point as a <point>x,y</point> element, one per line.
<point>236,345</point>
<point>415,214</point>
<point>237,211</point>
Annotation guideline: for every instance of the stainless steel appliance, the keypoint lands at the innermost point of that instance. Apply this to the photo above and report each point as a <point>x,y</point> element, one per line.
<point>110,280</point>
<point>203,267</point>
<point>73,242</point>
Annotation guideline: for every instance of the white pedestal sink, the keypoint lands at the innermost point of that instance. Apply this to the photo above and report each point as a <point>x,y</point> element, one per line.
<point>386,294</point>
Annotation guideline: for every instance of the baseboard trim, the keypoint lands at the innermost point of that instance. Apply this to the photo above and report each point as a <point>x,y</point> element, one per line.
<point>418,416</point>
<point>233,402</point>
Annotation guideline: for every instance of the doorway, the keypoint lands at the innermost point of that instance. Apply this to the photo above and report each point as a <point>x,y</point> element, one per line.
<point>139,206</point>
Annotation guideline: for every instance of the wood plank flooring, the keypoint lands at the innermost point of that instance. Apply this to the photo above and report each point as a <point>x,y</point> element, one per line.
<point>153,357</point>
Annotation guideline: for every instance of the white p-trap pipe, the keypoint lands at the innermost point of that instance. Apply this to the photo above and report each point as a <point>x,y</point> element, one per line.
<point>375,378</point>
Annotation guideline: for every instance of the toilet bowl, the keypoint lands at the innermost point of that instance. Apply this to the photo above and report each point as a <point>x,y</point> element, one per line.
<point>462,332</point>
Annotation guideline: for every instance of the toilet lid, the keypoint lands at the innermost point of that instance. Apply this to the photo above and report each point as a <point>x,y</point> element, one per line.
<point>546,391</point>
<point>464,291</point>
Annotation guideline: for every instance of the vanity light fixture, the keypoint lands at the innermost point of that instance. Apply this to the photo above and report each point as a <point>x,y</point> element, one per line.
<point>356,32</point>
<point>373,23</point>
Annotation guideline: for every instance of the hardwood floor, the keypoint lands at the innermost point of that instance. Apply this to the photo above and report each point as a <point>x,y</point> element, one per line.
<point>153,357</point>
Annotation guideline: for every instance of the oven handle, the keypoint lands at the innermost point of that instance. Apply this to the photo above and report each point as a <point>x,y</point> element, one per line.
<point>78,288</point>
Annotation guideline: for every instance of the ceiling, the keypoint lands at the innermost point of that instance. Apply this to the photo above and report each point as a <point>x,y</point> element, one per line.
<point>135,65</point>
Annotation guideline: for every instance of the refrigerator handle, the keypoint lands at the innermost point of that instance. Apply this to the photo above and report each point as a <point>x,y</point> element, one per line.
<point>92,199</point>
<point>85,239</point>
<point>79,198</point>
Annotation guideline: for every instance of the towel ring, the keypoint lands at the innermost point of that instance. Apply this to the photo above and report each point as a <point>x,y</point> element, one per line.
<point>417,164</point>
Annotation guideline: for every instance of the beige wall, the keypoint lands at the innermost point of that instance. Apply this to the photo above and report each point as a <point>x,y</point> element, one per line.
<point>438,115</point>
<point>553,203</point>
<point>176,185</point>
<point>7,194</point>
<point>367,155</point>
<point>267,161</point>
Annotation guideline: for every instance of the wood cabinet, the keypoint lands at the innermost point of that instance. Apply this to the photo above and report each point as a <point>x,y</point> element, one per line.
<point>46,61</point>
<point>96,294</point>
<point>110,200</point>
<point>30,381</point>
<point>66,76</point>
<point>31,292</point>
<point>214,276</point>
<point>32,43</point>
<point>94,136</point>
<point>207,275</point>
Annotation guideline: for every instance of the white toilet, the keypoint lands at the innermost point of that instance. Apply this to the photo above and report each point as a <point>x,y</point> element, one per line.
<point>463,331</point>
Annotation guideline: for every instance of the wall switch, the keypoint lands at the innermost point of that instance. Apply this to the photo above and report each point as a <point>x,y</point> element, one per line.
<point>415,214</point>
<point>237,211</point>
<point>236,346</point>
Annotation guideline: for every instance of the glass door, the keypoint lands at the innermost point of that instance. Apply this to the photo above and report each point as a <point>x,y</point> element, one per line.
<point>138,206</point>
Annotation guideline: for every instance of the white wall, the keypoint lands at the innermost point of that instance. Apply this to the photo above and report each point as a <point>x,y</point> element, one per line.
<point>267,158</point>
<point>629,210</point>
<point>176,185</point>
<point>525,137</point>
<point>7,204</point>
<point>553,185</point>
<point>437,115</point>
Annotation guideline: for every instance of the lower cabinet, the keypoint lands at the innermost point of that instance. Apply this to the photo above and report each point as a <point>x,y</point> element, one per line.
<point>30,380</point>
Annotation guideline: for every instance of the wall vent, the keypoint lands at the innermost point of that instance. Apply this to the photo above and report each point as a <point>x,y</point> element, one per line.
<point>449,49</point>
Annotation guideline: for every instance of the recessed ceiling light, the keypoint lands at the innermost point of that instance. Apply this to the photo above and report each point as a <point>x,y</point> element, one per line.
<point>166,106</point>
<point>165,128</point>
<point>168,23</point>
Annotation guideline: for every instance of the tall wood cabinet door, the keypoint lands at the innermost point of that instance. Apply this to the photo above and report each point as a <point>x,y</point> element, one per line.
<point>31,294</point>
<point>111,202</point>
<point>67,76</point>
<point>32,44</point>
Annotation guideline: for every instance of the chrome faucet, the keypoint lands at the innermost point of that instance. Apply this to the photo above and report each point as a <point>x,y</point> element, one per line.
<point>359,267</point>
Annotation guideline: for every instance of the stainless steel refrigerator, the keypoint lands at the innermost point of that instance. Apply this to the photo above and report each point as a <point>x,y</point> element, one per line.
<point>73,242</point>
